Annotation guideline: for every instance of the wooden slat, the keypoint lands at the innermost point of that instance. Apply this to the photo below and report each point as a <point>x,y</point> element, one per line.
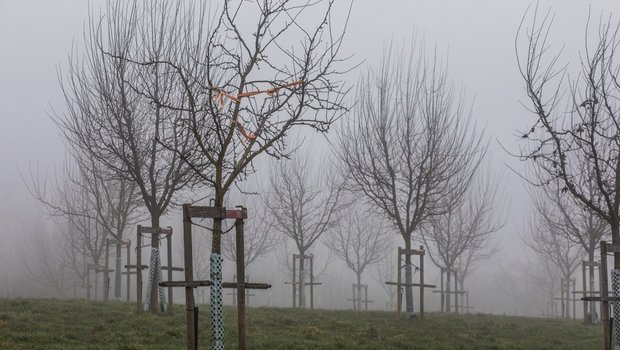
<point>610,299</point>
<point>172,268</point>
<point>237,213</point>
<point>133,266</point>
<point>613,248</point>
<point>161,230</point>
<point>412,284</point>
<point>306,283</point>
<point>207,212</point>
<point>410,251</point>
<point>195,284</point>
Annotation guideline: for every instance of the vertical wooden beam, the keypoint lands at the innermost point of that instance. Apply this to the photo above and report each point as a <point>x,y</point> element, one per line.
<point>127,269</point>
<point>294,282</point>
<point>169,246</point>
<point>399,300</point>
<point>422,282</point>
<point>441,290</point>
<point>190,307</point>
<point>583,288</point>
<point>605,295</point>
<point>106,272</point>
<point>139,268</point>
<point>311,282</point>
<point>574,299</point>
<point>456,293</point>
<point>240,282</point>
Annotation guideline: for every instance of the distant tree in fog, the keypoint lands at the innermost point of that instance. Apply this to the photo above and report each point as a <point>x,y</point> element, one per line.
<point>260,237</point>
<point>93,206</point>
<point>303,204</point>
<point>573,137</point>
<point>410,148</point>
<point>459,238</point>
<point>571,219</point>
<point>115,108</point>
<point>384,271</point>
<point>359,240</point>
<point>551,244</point>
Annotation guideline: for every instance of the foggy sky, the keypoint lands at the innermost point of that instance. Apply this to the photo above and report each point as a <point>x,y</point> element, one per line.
<point>476,37</point>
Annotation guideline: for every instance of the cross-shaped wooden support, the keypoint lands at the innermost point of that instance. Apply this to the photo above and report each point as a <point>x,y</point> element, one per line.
<point>399,284</point>
<point>357,297</point>
<point>164,231</point>
<point>303,284</point>
<point>239,214</point>
<point>605,299</point>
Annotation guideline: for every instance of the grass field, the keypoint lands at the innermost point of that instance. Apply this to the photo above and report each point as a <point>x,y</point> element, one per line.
<point>75,324</point>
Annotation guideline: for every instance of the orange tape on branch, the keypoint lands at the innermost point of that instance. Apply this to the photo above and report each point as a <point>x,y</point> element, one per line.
<point>221,95</point>
<point>247,134</point>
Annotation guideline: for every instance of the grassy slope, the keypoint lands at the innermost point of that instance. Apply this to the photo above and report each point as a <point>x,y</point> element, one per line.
<point>56,324</point>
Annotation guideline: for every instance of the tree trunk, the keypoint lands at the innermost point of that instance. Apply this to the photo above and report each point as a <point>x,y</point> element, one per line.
<point>154,301</point>
<point>592,318</point>
<point>117,271</point>
<point>449,296</point>
<point>359,291</point>
<point>302,299</point>
<point>408,278</point>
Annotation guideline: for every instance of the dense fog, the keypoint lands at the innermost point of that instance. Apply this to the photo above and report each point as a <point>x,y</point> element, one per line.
<point>472,43</point>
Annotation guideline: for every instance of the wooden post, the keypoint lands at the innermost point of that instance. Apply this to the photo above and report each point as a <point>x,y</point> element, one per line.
<point>422,282</point>
<point>605,295</point>
<point>294,282</point>
<point>456,293</point>
<point>127,270</point>
<point>240,282</point>
<point>585,303</point>
<point>139,269</point>
<point>366,297</point>
<point>190,307</point>
<point>441,290</point>
<point>169,246</point>
<point>574,299</point>
<point>398,286</point>
<point>311,282</point>
<point>106,272</point>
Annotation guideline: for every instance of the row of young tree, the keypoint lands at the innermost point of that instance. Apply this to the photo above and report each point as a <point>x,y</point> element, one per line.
<point>167,99</point>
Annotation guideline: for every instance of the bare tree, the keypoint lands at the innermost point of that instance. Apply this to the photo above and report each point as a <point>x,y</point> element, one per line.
<point>115,109</point>
<point>302,208</point>
<point>410,147</point>
<point>278,73</point>
<point>359,242</point>
<point>547,240</point>
<point>575,132</point>
<point>93,205</point>
<point>384,271</point>
<point>259,238</point>
<point>461,235</point>
<point>570,218</point>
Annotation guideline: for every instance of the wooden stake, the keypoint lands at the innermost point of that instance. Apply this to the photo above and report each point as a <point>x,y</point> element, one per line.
<point>190,307</point>
<point>139,269</point>
<point>240,282</point>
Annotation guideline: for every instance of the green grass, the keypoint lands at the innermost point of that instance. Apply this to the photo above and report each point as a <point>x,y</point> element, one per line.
<point>75,324</point>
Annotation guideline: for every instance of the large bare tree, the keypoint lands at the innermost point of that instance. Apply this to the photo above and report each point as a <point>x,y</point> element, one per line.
<point>115,109</point>
<point>260,69</point>
<point>459,237</point>
<point>303,208</point>
<point>574,135</point>
<point>410,147</point>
